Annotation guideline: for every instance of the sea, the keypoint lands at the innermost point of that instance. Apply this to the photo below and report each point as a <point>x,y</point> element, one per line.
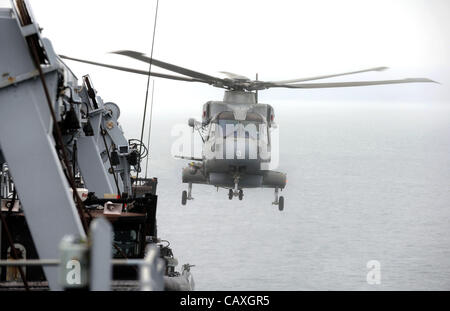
<point>367,204</point>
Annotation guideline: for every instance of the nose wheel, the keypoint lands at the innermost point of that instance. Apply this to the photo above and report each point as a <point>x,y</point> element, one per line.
<point>235,193</point>
<point>278,201</point>
<point>186,195</point>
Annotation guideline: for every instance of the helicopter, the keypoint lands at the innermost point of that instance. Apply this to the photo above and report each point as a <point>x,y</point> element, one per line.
<point>236,132</point>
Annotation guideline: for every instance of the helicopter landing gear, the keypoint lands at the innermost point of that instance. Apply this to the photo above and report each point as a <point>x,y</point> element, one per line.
<point>186,195</point>
<point>183,197</point>
<point>236,192</point>
<point>281,204</point>
<point>278,201</point>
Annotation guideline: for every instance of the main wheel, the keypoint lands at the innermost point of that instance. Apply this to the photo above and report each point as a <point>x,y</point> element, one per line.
<point>241,194</point>
<point>281,204</point>
<point>184,197</point>
<point>230,194</point>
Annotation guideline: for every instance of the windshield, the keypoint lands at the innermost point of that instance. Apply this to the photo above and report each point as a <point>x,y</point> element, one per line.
<point>234,128</point>
<point>226,126</point>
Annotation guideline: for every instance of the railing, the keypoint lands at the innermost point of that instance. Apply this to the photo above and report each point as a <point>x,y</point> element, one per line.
<point>92,268</point>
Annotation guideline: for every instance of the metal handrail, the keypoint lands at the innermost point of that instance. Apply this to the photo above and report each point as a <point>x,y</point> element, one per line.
<point>57,262</point>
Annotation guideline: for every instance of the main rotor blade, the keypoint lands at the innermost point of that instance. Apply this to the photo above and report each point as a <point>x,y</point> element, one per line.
<point>126,69</point>
<point>329,76</point>
<point>170,67</point>
<point>347,84</point>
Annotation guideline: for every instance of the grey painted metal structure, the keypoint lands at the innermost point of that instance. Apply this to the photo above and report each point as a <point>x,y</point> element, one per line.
<point>27,142</point>
<point>101,253</point>
<point>55,131</point>
<point>92,154</point>
<point>93,168</point>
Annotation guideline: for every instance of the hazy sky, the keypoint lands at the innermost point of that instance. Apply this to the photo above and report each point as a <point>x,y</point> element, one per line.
<point>277,39</point>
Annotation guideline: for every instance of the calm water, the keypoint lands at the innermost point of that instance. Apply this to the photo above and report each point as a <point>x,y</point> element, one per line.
<point>364,183</point>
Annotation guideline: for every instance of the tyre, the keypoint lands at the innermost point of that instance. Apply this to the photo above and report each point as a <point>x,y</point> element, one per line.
<point>241,194</point>
<point>183,197</point>
<point>230,194</point>
<point>281,204</point>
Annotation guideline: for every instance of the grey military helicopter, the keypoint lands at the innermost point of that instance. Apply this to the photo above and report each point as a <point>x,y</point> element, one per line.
<point>236,131</point>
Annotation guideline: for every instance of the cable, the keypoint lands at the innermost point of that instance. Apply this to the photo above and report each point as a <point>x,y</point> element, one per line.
<point>74,157</point>
<point>149,128</point>
<point>103,133</point>
<point>148,83</point>
<point>136,143</point>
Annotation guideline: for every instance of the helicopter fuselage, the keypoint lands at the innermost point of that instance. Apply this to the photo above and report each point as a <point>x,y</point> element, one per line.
<point>237,148</point>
